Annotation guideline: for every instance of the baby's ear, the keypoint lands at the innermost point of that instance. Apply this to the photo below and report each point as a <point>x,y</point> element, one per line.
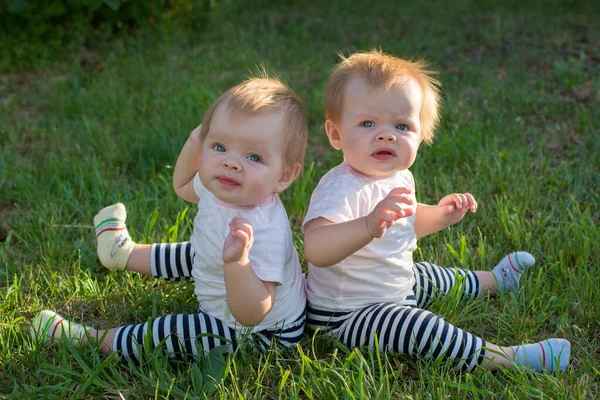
<point>333,134</point>
<point>289,175</point>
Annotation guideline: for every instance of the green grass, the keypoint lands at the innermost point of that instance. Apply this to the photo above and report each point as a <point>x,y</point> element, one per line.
<point>520,131</point>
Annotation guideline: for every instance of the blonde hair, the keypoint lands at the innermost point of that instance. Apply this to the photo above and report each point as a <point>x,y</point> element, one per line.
<point>384,71</point>
<point>263,95</point>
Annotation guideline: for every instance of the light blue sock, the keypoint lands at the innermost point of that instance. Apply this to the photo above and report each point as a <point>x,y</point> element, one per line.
<point>549,355</point>
<point>510,268</point>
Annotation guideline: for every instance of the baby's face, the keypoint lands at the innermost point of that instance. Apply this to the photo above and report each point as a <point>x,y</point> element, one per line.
<point>242,162</point>
<point>380,131</point>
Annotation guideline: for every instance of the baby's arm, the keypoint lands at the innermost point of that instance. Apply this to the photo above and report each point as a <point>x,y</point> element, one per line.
<point>326,243</point>
<point>249,298</point>
<point>187,167</point>
<point>450,210</point>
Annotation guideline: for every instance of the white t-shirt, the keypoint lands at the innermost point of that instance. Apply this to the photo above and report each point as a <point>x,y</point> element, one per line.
<point>273,257</point>
<point>380,271</point>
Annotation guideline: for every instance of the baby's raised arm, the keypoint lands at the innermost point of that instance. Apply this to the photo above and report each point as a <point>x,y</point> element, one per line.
<point>249,298</point>
<point>187,167</point>
<point>326,243</point>
<point>450,210</point>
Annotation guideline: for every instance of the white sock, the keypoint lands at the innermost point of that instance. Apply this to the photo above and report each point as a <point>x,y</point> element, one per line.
<point>114,243</point>
<point>510,268</point>
<point>549,355</point>
<point>51,327</point>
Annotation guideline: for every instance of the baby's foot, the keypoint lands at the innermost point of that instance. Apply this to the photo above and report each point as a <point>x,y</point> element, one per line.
<point>50,326</point>
<point>510,268</point>
<point>549,355</point>
<point>114,243</point>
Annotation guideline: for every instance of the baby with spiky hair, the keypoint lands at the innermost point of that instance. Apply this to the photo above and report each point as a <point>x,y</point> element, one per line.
<point>363,222</point>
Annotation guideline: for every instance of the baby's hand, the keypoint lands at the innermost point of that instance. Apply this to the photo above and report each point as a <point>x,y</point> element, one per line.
<point>399,203</point>
<point>454,207</point>
<point>195,134</point>
<point>239,241</point>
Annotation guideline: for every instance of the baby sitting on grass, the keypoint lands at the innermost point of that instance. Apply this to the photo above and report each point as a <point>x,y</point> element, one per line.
<point>363,222</point>
<point>248,279</point>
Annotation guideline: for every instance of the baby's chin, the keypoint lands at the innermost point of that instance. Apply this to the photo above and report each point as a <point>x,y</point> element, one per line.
<point>385,170</point>
<point>376,173</point>
<point>243,201</point>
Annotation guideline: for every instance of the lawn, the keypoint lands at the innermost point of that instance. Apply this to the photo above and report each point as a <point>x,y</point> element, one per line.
<point>520,131</point>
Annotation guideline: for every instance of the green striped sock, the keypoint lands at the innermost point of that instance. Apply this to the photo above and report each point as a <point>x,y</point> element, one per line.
<point>114,245</point>
<point>548,355</point>
<point>509,270</point>
<point>50,327</point>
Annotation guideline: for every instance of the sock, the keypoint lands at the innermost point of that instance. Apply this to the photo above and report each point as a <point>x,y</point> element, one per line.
<point>114,243</point>
<point>52,326</point>
<point>510,268</point>
<point>549,355</point>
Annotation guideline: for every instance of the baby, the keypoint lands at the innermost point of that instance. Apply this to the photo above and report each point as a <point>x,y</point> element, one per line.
<point>363,222</point>
<point>248,279</point>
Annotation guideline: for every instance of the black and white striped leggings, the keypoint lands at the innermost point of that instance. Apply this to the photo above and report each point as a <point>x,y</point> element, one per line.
<point>184,335</point>
<point>406,327</point>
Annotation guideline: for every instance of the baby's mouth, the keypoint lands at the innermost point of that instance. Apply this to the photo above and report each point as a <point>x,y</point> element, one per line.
<point>383,154</point>
<point>228,182</point>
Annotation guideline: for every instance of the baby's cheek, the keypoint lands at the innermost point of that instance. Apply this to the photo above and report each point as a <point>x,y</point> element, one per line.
<point>259,189</point>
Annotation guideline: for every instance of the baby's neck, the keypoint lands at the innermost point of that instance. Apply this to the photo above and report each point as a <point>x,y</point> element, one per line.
<point>372,177</point>
<point>261,203</point>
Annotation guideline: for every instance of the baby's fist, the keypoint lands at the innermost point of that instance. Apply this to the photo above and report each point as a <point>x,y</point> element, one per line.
<point>239,241</point>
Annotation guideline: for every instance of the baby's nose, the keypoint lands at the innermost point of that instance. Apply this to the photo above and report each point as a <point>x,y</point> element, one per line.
<point>231,164</point>
<point>386,137</point>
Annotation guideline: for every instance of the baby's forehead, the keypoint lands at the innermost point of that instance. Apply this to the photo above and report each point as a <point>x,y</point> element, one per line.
<point>362,94</point>
<point>236,114</point>
<point>403,82</point>
<point>247,128</point>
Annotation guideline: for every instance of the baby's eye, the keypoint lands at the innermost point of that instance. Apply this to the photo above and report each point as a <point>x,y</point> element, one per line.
<point>218,147</point>
<point>367,124</point>
<point>254,158</point>
<point>402,127</point>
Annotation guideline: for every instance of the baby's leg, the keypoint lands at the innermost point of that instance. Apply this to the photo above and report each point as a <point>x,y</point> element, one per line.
<point>182,335</point>
<point>432,280</point>
<point>287,336</point>
<point>171,261</point>
<point>420,333</point>
<point>116,250</point>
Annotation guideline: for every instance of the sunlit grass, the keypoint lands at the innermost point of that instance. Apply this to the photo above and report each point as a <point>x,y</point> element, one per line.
<point>519,131</point>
